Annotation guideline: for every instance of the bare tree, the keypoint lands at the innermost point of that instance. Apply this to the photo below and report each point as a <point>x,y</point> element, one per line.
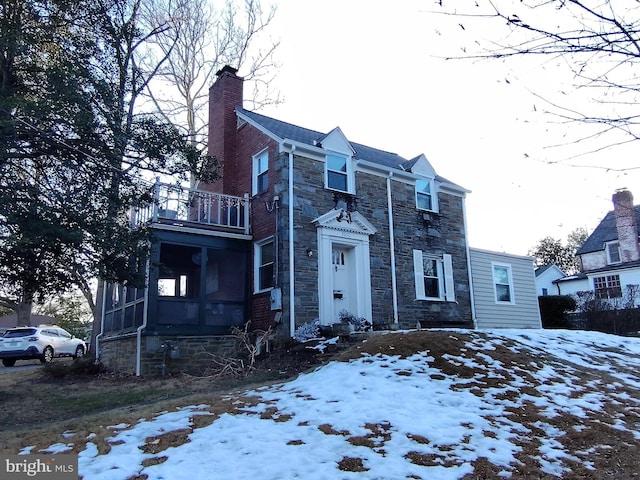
<point>209,38</point>
<point>598,41</point>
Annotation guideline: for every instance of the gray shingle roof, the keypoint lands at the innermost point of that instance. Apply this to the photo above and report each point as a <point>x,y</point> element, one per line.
<point>540,270</point>
<point>605,232</point>
<point>285,130</point>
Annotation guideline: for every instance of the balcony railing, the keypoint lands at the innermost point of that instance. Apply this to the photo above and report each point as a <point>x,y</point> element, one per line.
<point>185,205</point>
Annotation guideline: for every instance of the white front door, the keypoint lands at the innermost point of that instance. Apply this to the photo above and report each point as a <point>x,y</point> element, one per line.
<point>344,281</point>
<point>344,276</point>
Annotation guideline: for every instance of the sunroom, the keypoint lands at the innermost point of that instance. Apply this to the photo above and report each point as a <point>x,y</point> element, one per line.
<point>197,288</point>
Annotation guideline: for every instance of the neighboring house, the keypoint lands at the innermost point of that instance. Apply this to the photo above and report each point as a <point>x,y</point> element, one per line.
<point>504,290</point>
<point>10,321</point>
<point>610,258</point>
<point>302,226</point>
<point>546,276</point>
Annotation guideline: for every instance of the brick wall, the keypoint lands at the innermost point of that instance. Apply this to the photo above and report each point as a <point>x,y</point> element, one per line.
<point>224,96</point>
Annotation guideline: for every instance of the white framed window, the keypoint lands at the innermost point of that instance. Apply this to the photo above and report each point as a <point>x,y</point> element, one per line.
<point>424,195</point>
<point>337,172</point>
<point>607,286</point>
<point>264,263</point>
<point>260,180</point>
<point>433,276</point>
<point>503,283</point>
<point>613,252</point>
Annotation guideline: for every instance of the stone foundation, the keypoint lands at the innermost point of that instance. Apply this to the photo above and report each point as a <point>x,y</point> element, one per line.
<point>161,355</point>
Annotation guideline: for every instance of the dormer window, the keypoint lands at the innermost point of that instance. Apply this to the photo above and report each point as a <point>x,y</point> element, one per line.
<point>613,252</point>
<point>424,196</point>
<point>337,171</point>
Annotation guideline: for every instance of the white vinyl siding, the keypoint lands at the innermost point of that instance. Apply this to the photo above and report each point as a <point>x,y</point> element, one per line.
<point>524,312</point>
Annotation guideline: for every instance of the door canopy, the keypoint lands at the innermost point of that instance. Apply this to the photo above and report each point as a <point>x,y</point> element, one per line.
<point>345,221</point>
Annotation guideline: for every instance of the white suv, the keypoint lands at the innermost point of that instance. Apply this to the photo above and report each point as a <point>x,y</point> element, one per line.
<point>43,343</point>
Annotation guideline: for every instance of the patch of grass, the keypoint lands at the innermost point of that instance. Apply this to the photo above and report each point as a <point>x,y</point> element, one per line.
<point>91,402</point>
<point>351,464</point>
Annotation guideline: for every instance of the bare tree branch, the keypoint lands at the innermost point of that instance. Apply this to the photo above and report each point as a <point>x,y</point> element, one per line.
<point>599,42</point>
<point>204,40</point>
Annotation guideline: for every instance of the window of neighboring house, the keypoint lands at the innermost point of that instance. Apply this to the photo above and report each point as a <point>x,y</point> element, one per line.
<point>337,172</point>
<point>264,265</point>
<point>260,181</point>
<point>503,283</point>
<point>545,292</point>
<point>424,197</point>
<point>613,252</point>
<point>607,286</point>
<point>433,276</point>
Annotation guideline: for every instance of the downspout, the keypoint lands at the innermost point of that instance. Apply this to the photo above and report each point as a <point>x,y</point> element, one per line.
<point>276,208</point>
<point>97,340</point>
<point>392,247</point>
<point>145,312</point>
<point>466,246</point>
<point>292,325</point>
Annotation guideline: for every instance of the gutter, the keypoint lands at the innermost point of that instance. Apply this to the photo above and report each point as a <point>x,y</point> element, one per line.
<point>97,339</point>
<point>466,246</point>
<point>292,307</point>
<point>392,247</point>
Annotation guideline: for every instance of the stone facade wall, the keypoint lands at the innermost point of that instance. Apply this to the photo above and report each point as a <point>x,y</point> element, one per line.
<point>372,203</point>
<point>445,234</point>
<point>180,354</point>
<point>119,354</point>
<point>310,201</point>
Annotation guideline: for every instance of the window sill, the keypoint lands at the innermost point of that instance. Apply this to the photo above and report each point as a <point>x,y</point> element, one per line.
<point>265,290</point>
<point>430,299</point>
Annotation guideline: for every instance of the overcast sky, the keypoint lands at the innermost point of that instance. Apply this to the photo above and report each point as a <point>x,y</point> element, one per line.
<point>376,69</point>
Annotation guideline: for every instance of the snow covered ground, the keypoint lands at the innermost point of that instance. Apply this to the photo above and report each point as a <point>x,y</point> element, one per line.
<point>507,401</point>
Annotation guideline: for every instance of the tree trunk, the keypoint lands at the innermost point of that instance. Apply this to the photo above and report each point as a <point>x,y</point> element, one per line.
<point>23,312</point>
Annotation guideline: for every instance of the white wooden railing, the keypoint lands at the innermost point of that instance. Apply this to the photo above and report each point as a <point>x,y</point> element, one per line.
<point>179,204</point>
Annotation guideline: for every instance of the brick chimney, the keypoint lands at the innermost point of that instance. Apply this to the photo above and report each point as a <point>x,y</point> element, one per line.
<point>224,96</point>
<point>627,225</point>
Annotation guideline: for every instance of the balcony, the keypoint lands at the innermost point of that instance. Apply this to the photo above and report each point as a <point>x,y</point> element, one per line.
<point>186,207</point>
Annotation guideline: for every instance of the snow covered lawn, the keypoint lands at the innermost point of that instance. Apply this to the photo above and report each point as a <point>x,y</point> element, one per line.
<point>443,404</point>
